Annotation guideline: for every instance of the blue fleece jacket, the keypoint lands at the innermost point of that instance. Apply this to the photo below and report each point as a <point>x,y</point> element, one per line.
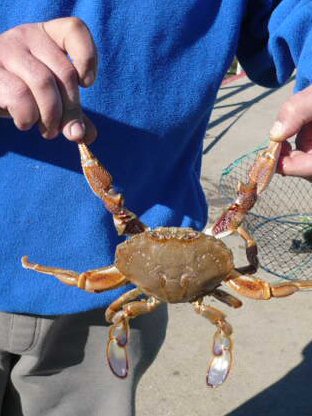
<point>161,64</point>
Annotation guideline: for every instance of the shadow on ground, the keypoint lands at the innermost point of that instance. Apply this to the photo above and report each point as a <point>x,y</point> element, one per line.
<point>290,396</point>
<point>238,109</point>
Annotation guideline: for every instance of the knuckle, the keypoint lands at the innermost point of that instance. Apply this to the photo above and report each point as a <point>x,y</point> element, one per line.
<point>31,117</point>
<point>23,109</point>
<point>22,30</point>
<point>89,62</point>
<point>75,23</point>
<point>18,123</point>
<point>17,31</point>
<point>20,34</point>
<point>289,108</point>
<point>44,79</point>
<point>38,73</point>
<point>86,65</point>
<point>23,120</point>
<point>24,124</point>
<point>19,92</point>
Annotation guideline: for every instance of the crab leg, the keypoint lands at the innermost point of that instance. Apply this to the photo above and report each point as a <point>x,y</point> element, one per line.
<point>97,280</point>
<point>119,313</point>
<point>260,176</point>
<point>101,182</point>
<point>251,247</point>
<point>264,167</point>
<point>231,219</point>
<point>221,362</point>
<point>226,298</point>
<point>259,289</point>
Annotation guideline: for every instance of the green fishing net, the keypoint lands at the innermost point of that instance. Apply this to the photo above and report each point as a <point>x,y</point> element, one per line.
<point>281,220</point>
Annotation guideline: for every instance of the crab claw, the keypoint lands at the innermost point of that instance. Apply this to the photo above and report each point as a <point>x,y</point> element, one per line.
<point>228,222</point>
<point>116,353</point>
<point>101,183</point>
<point>233,217</point>
<point>221,362</point>
<point>265,166</point>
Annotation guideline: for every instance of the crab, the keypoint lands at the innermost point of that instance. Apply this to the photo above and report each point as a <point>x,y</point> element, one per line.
<point>175,265</point>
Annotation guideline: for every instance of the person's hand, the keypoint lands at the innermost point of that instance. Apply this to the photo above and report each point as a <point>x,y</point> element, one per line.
<point>295,118</point>
<point>42,66</point>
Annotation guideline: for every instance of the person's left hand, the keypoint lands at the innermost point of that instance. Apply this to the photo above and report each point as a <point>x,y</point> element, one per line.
<point>295,119</point>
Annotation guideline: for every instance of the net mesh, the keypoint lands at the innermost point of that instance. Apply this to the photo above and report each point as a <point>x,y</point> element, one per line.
<point>281,220</point>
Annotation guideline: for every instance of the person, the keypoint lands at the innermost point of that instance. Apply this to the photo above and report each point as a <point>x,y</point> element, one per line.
<point>142,77</point>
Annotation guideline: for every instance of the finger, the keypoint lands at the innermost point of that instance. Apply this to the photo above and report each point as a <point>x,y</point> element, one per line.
<point>285,151</point>
<point>296,163</point>
<point>72,125</point>
<point>43,86</point>
<point>304,139</point>
<point>294,114</point>
<point>17,101</point>
<point>73,37</point>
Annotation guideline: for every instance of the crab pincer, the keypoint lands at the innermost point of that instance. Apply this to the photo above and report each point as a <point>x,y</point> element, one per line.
<point>260,176</point>
<point>101,183</point>
<point>264,167</point>
<point>232,218</point>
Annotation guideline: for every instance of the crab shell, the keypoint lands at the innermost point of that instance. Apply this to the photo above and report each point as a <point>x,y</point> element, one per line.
<point>174,264</point>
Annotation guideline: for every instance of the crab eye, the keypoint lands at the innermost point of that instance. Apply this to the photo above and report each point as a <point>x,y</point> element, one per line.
<point>162,279</point>
<point>186,279</point>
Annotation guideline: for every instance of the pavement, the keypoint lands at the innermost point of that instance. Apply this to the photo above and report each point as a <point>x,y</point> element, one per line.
<point>272,371</point>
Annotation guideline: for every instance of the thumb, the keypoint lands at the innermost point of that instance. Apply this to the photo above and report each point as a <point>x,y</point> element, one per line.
<point>293,116</point>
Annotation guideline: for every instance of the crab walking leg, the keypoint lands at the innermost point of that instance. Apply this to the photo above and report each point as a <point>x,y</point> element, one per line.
<point>97,280</point>
<point>117,305</point>
<point>101,182</point>
<point>221,362</point>
<point>226,298</point>
<point>251,247</point>
<point>119,313</point>
<point>254,288</point>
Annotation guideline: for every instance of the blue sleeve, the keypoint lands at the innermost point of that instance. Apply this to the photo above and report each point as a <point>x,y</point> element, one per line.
<point>276,38</point>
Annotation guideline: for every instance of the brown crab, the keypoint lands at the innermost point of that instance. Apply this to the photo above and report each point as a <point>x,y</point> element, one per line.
<point>171,264</point>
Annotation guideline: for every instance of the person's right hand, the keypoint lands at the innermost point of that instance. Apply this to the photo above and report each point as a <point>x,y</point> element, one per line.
<point>42,66</point>
<point>295,119</point>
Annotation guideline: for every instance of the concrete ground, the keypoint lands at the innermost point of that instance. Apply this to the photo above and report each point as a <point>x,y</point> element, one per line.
<point>273,351</point>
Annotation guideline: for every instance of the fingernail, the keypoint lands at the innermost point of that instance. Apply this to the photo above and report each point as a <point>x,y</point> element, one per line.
<point>277,131</point>
<point>77,130</point>
<point>89,78</point>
